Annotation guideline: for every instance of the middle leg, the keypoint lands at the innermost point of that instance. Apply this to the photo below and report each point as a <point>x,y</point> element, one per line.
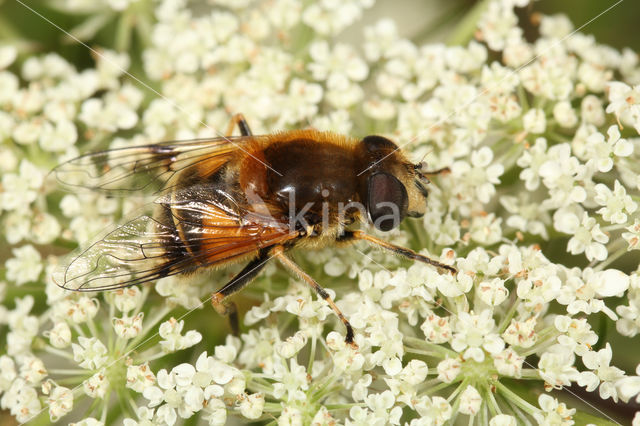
<point>278,252</point>
<point>237,283</point>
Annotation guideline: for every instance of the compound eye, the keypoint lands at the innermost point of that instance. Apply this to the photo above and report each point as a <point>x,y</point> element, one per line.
<point>376,143</point>
<point>387,201</point>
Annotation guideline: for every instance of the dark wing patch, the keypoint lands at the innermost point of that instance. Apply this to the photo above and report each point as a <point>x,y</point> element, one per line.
<point>187,232</point>
<point>146,169</point>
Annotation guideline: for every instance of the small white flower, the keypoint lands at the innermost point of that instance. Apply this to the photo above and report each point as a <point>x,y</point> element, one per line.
<point>498,24</point>
<point>475,332</point>
<point>251,406</point>
<point>560,174</point>
<point>604,374</point>
<point>609,283</point>
<point>341,59</point>
<point>33,370</point>
<point>436,329</point>
<point>531,161</point>
<point>633,236</point>
<point>18,191</point>
<point>521,333</point>
<point>330,18</point>
<point>534,121</point>
<point>434,410</point>
<point>629,386</point>
<point>624,102</point>
<point>556,367</point>
<point>215,412</point>
<point>28,132</point>
<point>126,299</point>
<point>97,385</point>
<point>211,371</point>
<point>617,204</point>
<point>592,111</point>
<point>88,421</point>
<point>508,363</point>
<point>540,287</point>
<point>76,311</point>
<point>594,77</point>
<point>603,152</point>
<point>128,327</point>
<point>470,401</point>
<point>9,85</point>
<point>140,377</point>
<point>45,228</point>
<point>8,54</point>
<point>503,420</point>
<point>526,214</point>
<point>565,115</point>
<point>25,266</point>
<point>477,180</point>
<point>180,291</point>
<point>173,340</point>
<point>300,103</point>
<point>379,38</point>
<point>292,345</point>
<point>555,26</point>
<point>90,353</point>
<point>227,353</point>
<point>587,238</point>
<point>382,406</point>
<point>60,402</point>
<point>553,412</point>
<point>59,136</point>
<point>486,229</point>
<point>492,292</point>
<point>577,334</point>
<point>60,335</point>
<point>449,369</point>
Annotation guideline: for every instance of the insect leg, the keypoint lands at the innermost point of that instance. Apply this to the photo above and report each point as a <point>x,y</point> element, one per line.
<point>241,122</point>
<point>237,283</point>
<point>278,252</point>
<point>437,172</point>
<point>359,235</point>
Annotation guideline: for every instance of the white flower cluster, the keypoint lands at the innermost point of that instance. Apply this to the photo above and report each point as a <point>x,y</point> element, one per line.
<point>538,213</point>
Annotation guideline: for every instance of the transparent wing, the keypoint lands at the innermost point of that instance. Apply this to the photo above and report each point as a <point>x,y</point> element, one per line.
<point>148,168</point>
<point>196,227</point>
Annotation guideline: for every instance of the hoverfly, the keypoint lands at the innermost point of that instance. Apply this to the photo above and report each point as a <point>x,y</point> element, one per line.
<point>245,198</point>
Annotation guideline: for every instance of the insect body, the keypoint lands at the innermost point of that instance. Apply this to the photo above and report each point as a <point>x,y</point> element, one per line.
<point>247,198</point>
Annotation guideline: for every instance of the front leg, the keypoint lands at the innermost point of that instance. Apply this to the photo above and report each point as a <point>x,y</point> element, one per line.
<point>351,236</point>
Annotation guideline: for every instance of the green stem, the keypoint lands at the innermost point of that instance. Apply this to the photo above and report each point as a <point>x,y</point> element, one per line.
<point>425,353</point>
<point>312,353</point>
<point>335,407</point>
<point>462,386</point>
<point>507,319</point>
<point>426,346</point>
<point>493,406</point>
<point>442,385</point>
<point>69,371</point>
<point>530,373</point>
<point>615,256</point>
<point>465,30</point>
<point>123,32</point>
<point>516,399</point>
